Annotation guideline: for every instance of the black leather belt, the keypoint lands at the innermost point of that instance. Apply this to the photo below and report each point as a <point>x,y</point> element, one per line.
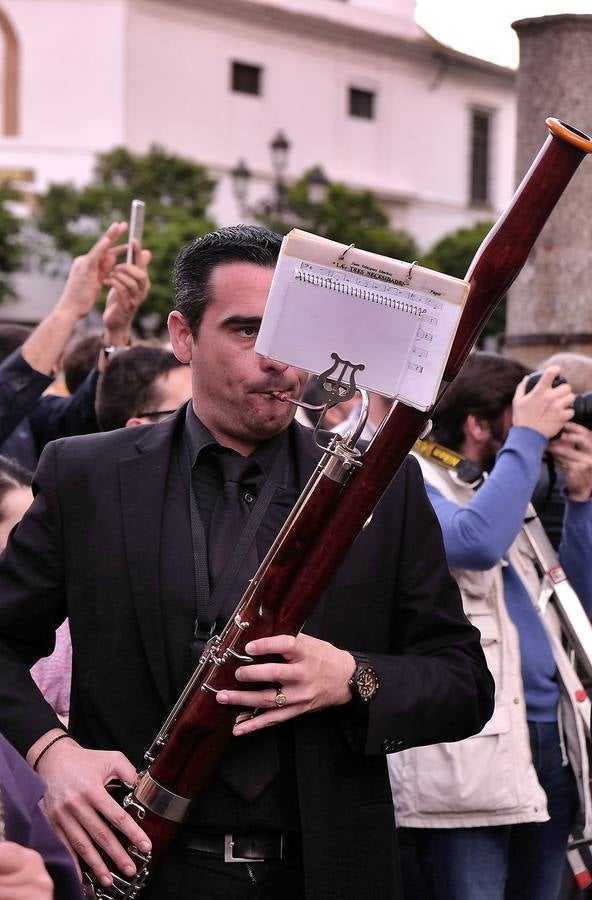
<point>253,847</point>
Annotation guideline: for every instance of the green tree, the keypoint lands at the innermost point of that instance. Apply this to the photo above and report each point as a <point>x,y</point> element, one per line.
<point>348,216</point>
<point>177,193</point>
<point>11,248</point>
<point>453,255</point>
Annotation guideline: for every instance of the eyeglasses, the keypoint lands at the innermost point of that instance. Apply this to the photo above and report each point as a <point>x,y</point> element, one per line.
<point>156,414</point>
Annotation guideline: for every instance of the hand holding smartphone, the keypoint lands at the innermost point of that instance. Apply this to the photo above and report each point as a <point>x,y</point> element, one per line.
<point>136,228</point>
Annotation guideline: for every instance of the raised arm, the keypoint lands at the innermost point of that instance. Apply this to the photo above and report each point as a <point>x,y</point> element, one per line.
<point>43,349</point>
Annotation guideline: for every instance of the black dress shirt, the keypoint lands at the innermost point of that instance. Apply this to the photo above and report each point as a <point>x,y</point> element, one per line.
<point>219,808</point>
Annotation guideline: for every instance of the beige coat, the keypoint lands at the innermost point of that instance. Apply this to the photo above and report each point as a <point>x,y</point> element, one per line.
<point>488,779</point>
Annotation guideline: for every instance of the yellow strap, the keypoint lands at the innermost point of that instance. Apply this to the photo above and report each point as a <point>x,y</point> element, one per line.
<point>439,454</point>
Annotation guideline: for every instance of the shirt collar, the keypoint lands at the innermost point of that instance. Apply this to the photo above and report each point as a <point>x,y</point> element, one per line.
<point>198,438</point>
<point>197,435</point>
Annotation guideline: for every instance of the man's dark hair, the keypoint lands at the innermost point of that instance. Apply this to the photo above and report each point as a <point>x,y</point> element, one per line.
<point>127,386</point>
<point>11,337</point>
<point>484,387</point>
<point>80,358</point>
<point>195,262</point>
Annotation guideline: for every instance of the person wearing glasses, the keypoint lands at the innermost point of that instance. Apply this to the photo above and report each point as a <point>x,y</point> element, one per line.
<point>141,386</point>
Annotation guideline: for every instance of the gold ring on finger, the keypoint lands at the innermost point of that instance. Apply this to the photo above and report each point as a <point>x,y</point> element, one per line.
<point>280,698</point>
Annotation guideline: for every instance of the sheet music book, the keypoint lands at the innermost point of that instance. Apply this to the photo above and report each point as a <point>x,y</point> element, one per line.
<point>396,319</point>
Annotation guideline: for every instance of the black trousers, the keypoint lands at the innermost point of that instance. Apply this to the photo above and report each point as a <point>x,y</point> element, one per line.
<point>191,875</point>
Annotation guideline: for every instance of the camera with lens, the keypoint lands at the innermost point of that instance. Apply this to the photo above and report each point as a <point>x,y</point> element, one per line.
<point>582,405</point>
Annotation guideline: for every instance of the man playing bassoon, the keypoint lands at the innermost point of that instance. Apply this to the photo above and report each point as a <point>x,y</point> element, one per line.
<point>131,534</point>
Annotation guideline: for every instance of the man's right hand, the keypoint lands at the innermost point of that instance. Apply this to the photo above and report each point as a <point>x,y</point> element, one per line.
<point>23,875</point>
<point>546,409</point>
<point>79,807</point>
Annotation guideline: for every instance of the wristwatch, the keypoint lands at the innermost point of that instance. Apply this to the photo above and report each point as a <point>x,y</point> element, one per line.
<point>364,682</point>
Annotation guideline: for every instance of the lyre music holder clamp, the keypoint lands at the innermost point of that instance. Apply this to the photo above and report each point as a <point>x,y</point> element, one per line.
<point>338,387</point>
<point>336,390</point>
<point>343,387</point>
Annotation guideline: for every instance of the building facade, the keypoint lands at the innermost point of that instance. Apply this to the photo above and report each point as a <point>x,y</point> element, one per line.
<point>355,85</point>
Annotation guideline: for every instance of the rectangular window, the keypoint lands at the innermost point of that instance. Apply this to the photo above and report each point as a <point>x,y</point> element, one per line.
<point>480,157</point>
<point>361,103</point>
<point>246,79</point>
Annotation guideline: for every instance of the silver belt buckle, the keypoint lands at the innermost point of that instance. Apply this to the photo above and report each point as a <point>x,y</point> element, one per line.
<point>229,856</point>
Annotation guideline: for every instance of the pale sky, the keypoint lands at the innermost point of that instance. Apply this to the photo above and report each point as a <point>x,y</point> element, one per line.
<point>482,27</point>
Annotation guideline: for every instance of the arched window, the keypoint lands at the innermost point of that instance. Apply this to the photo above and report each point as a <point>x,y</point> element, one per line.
<point>9,77</point>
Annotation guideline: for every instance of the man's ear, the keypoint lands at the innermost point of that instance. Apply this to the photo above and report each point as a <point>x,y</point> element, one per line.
<point>477,429</point>
<point>135,420</point>
<point>181,337</point>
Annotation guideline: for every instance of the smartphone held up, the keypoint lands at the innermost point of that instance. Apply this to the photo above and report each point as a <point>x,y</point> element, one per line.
<point>136,227</point>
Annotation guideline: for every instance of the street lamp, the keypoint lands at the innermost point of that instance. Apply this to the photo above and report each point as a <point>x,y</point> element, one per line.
<point>241,176</point>
<point>279,146</point>
<point>318,186</point>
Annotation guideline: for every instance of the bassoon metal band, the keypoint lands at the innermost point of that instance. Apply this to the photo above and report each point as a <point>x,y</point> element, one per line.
<point>159,800</point>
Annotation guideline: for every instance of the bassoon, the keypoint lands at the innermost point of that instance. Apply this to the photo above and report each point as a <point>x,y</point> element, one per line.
<point>325,521</point>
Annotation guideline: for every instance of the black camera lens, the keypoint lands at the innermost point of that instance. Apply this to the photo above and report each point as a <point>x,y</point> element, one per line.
<point>536,377</point>
<point>582,405</point>
<point>583,410</point>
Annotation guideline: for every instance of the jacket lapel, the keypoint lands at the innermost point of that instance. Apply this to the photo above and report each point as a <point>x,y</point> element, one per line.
<point>143,482</point>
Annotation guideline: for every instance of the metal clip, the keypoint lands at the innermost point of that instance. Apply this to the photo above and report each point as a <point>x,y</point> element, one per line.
<point>129,801</point>
<point>411,268</point>
<point>341,256</point>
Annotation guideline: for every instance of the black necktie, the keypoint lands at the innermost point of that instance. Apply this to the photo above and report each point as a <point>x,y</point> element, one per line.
<point>242,477</point>
<point>249,764</point>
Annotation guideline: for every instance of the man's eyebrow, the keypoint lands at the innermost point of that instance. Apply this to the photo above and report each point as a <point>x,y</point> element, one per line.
<point>242,321</point>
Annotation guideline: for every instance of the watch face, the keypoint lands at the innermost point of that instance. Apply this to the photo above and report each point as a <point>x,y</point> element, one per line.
<point>367,683</point>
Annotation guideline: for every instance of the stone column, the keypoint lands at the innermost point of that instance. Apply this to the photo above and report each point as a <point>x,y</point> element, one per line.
<point>550,304</point>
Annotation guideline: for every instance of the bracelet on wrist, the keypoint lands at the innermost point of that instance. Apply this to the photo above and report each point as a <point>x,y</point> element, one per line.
<point>53,741</point>
<point>112,349</point>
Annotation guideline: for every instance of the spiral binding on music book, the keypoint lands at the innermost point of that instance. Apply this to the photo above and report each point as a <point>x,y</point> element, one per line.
<point>353,290</point>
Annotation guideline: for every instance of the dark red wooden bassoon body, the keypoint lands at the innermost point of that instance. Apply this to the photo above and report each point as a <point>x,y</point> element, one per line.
<point>326,521</point>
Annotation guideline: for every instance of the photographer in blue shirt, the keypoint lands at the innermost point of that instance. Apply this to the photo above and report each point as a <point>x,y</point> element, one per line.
<point>490,816</point>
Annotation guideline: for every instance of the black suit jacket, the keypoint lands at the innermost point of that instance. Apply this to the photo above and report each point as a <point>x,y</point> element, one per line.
<point>89,549</point>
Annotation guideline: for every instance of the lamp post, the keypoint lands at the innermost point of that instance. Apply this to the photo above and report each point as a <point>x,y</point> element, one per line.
<point>241,175</point>
<point>318,186</point>
<point>276,206</point>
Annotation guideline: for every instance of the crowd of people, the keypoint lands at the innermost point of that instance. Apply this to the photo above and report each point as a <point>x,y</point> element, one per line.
<point>123,507</point>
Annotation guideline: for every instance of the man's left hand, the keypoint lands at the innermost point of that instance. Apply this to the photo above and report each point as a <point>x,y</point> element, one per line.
<point>313,675</point>
<point>573,451</point>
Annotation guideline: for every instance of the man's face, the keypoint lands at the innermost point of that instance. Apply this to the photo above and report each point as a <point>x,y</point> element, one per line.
<point>232,386</point>
<point>170,391</point>
<point>173,388</point>
<point>498,432</point>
